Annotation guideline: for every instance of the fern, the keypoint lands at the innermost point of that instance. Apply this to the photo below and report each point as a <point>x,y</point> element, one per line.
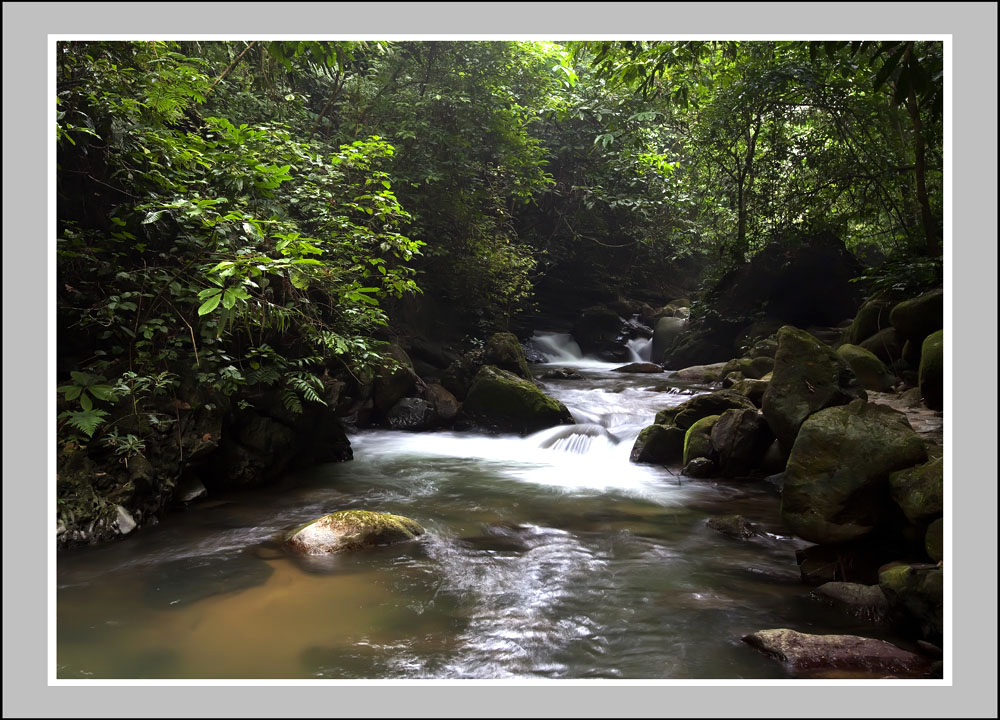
<point>291,401</point>
<point>86,421</point>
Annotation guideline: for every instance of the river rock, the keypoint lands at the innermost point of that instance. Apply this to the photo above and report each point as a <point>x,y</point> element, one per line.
<point>639,367</point>
<point>917,318</point>
<point>667,330</point>
<point>351,530</point>
<point>393,382</point>
<point>698,439</point>
<point>931,377</point>
<point>753,390</point>
<point>734,526</point>
<point>503,350</point>
<point>864,601</point>
<point>124,520</point>
<point>562,374</point>
<point>658,445</point>
<point>872,316</point>
<point>808,376</point>
<point>457,379</point>
<point>804,653</point>
<point>919,491</point>
<point>916,594</point>
<point>445,404</point>
<point>700,467</point>
<point>934,540</point>
<point>871,372</point>
<point>412,414</point>
<point>501,401</point>
<point>714,403</point>
<point>740,438</point>
<point>700,373</point>
<point>886,345</point>
<point>836,480</point>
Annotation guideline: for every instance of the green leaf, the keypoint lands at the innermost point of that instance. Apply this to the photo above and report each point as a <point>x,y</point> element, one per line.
<point>85,402</point>
<point>210,304</point>
<point>102,392</point>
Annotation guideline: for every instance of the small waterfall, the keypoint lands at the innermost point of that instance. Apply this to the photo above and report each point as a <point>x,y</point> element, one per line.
<point>576,439</point>
<point>558,347</point>
<point>640,349</point>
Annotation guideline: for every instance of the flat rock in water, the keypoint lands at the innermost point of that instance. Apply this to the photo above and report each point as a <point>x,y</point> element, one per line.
<point>816,654</point>
<point>351,530</point>
<point>639,367</point>
<point>734,526</point>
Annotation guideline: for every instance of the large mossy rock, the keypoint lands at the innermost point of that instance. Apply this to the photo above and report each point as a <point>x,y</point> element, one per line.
<point>740,439</point>
<point>886,345</point>
<point>698,439</point>
<point>916,594</point>
<point>870,371</point>
<point>753,390</point>
<point>700,373</point>
<point>872,317</point>
<point>934,540</point>
<point>501,401</point>
<point>394,381</point>
<point>808,376</point>
<point>698,346</point>
<point>658,445</point>
<point>503,350</point>
<point>667,330</point>
<point>917,318</point>
<point>700,406</point>
<point>861,656</point>
<point>837,479</point>
<point>351,530</point>
<point>919,491</point>
<point>932,370</point>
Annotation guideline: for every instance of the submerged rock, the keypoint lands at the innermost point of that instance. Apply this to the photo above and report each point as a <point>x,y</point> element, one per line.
<point>639,367</point>
<point>351,530</point>
<point>499,400</point>
<point>562,374</point>
<point>805,653</point>
<point>864,601</point>
<point>734,526</point>
<point>837,477</point>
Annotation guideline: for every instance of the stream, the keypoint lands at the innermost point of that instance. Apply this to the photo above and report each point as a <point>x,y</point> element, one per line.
<point>549,556</point>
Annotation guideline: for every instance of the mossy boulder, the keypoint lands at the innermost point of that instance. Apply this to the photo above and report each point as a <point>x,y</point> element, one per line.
<point>698,439</point>
<point>808,376</point>
<point>815,654</point>
<point>870,371</point>
<point>886,345</point>
<point>753,390</point>
<point>658,445</point>
<point>667,330</point>
<point>931,377</point>
<point>917,318</point>
<point>740,438</point>
<point>700,406</point>
<point>919,491</point>
<point>747,367</point>
<point>457,379</point>
<point>501,401</point>
<point>837,478</point>
<point>351,530</point>
<point>934,540</point>
<point>916,594</point>
<point>394,381</point>
<point>871,317</point>
<point>503,350</point>
<point>700,373</point>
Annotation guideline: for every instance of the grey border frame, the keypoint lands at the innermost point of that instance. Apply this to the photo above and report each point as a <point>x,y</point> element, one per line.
<point>973,284</point>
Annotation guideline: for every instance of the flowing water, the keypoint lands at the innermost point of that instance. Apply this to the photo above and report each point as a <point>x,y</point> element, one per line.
<point>549,556</point>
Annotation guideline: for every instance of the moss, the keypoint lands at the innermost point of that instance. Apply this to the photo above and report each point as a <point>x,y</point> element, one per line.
<point>917,318</point>
<point>870,371</point>
<point>351,530</point>
<point>931,378</point>
<point>501,400</point>
<point>503,350</point>
<point>698,440</point>
<point>919,491</point>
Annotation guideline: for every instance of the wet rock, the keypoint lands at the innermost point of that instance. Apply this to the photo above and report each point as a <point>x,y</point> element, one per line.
<point>394,381</point>
<point>190,489</point>
<point>931,376</point>
<point>734,526</point>
<point>865,601</point>
<point>804,653</point>
<point>698,440</point>
<point>503,350</point>
<point>915,319</point>
<point>501,401</point>
<point>870,371</point>
<point>445,404</point>
<point>856,562</point>
<point>836,480</point>
<point>562,374</point>
<point>351,530</point>
<point>700,373</point>
<point>412,414</point>
<point>700,468</point>
<point>126,523</point>
<point>457,379</point>
<point>916,594</point>
<point>872,317</point>
<point>753,390</point>
<point>886,345</point>
<point>808,376</point>
<point>658,445</point>
<point>919,491</point>
<point>740,438</point>
<point>714,403</point>
<point>639,367</point>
